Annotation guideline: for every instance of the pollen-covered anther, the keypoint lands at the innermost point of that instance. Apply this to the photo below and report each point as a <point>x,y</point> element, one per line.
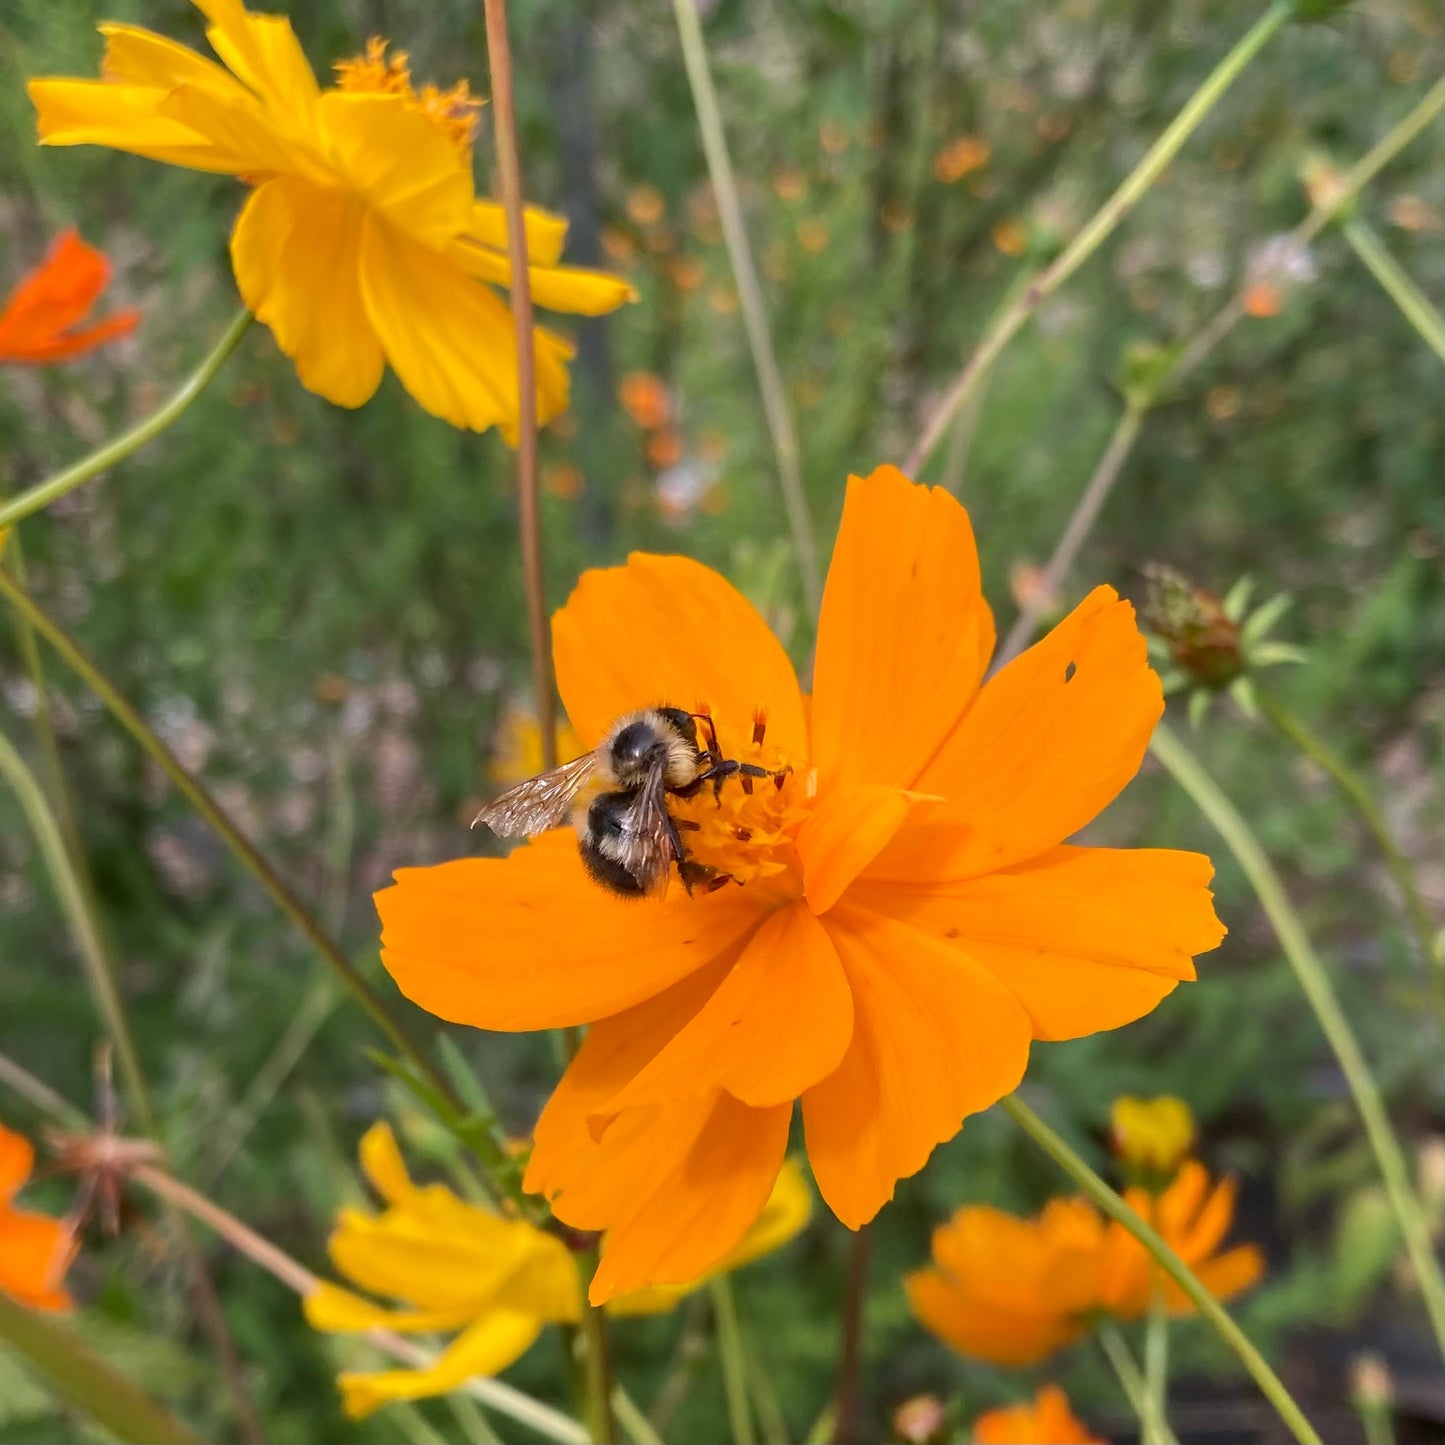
<point>747,834</point>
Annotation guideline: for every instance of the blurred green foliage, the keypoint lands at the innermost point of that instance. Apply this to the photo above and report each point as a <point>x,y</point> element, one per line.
<point>321,611</point>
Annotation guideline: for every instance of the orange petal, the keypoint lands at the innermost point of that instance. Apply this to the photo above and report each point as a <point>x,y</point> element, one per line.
<point>1004,1333</point>
<point>35,1252</point>
<point>1052,739</point>
<point>1086,938</point>
<point>17,1159</point>
<point>686,1218</point>
<point>614,1052</point>
<point>531,942</point>
<point>904,634</point>
<point>296,250</point>
<point>935,1037</point>
<point>843,835</point>
<point>779,1021</point>
<point>73,343</point>
<point>669,630</point>
<point>58,292</point>
<point>1224,1276</point>
<point>136,56</point>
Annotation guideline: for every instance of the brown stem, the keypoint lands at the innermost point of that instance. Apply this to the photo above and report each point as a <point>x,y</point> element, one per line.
<point>509,172</point>
<point>850,1352</point>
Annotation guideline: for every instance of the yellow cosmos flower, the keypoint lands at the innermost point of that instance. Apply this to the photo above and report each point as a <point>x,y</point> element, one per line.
<point>517,745</point>
<point>462,1267</point>
<point>362,242</point>
<point>1152,1136</point>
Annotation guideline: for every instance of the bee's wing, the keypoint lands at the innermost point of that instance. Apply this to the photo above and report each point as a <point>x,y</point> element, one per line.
<point>646,849</point>
<point>539,803</point>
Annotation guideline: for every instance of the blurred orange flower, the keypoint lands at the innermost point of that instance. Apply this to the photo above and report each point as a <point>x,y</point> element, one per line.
<point>903,916</point>
<point>1193,1214</point>
<point>644,398</point>
<point>35,1250</point>
<point>645,205</point>
<point>959,157</point>
<point>42,318</point>
<point>1011,237</point>
<point>1263,299</point>
<point>1047,1421</point>
<point>664,449</point>
<point>1012,1291</point>
<point>362,243</point>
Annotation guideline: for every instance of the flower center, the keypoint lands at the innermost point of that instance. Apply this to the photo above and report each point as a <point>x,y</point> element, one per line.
<point>453,111</point>
<point>746,831</point>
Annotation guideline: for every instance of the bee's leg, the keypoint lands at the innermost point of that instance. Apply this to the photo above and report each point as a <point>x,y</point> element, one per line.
<point>710,748</point>
<point>703,876</point>
<point>748,771</point>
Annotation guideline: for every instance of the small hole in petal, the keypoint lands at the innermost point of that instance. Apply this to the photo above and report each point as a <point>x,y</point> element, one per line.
<point>1070,670</point>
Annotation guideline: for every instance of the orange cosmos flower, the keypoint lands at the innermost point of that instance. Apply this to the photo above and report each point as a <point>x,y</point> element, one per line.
<point>35,1251</point>
<point>42,319</point>
<point>1048,1421</point>
<point>1193,1214</point>
<point>1012,1291</point>
<point>1007,1290</point>
<point>904,915</point>
<point>362,243</point>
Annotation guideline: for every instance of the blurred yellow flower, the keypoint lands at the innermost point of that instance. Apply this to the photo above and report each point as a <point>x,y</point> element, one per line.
<point>1152,1136</point>
<point>517,745</point>
<point>362,242</point>
<point>458,1266</point>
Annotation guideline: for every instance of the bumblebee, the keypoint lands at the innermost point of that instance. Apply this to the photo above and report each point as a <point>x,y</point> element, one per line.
<point>627,837</point>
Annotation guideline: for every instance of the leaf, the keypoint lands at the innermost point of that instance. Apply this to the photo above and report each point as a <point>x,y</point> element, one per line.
<point>1237,598</point>
<point>1266,616</point>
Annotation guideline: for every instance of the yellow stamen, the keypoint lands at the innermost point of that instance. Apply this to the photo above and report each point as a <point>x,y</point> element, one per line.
<point>745,834</point>
<point>376,73</point>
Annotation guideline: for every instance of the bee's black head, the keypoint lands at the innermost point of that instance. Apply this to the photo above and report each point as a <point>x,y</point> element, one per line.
<point>635,748</point>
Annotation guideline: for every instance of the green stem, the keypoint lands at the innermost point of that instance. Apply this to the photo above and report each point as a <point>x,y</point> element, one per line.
<point>632,1419</point>
<point>1167,1260</point>
<point>596,1369</point>
<point>1413,303</point>
<point>88,942</point>
<point>86,1381</point>
<point>1152,1430</point>
<point>1427,935</point>
<point>734,1366</point>
<point>1156,1355</point>
<point>42,494</point>
<point>1102,224</point>
<point>101,975</point>
<point>1314,981</point>
<point>779,414</point>
<point>246,853</point>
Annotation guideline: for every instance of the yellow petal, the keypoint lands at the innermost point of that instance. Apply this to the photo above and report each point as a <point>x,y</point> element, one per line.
<point>141,57</point>
<point>262,51</point>
<point>125,118</point>
<point>383,1165</point>
<point>546,233</point>
<point>558,288</point>
<point>243,130</point>
<point>786,1215</point>
<point>338,1311</point>
<point>448,337</point>
<point>402,165</point>
<point>485,1348</point>
<point>296,254</point>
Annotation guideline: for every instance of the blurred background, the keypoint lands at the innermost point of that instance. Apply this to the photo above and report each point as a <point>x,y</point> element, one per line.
<point>321,613</point>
